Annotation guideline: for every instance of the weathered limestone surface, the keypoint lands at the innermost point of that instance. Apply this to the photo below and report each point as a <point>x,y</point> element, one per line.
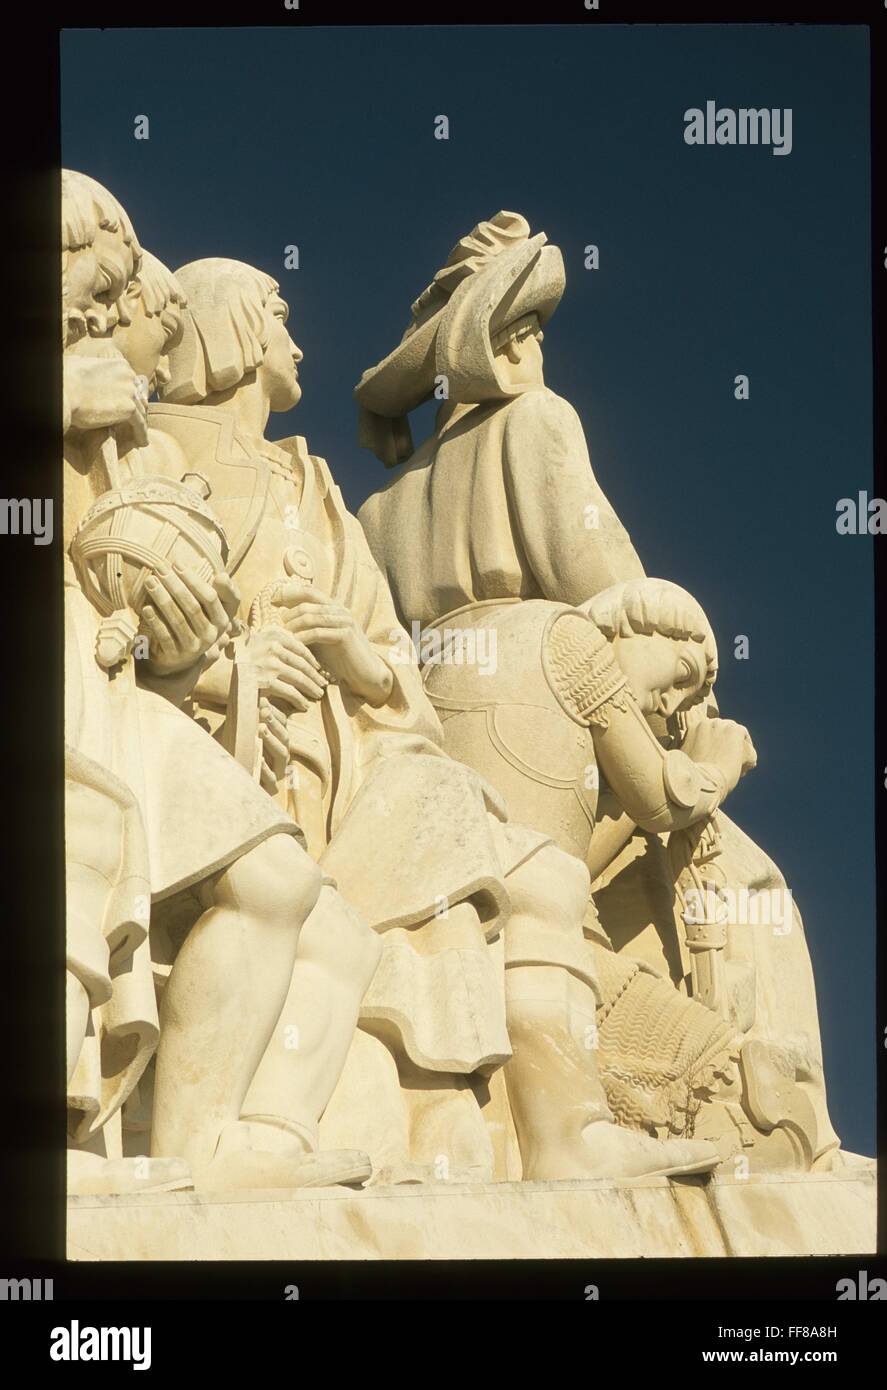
<point>652,1218</point>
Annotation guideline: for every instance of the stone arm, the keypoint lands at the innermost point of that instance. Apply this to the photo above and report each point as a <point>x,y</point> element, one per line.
<point>101,391</point>
<point>574,542</point>
<point>609,837</point>
<point>658,790</point>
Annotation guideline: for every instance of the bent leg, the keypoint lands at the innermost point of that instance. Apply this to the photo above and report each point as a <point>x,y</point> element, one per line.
<point>225,994</point>
<point>553,1082</point>
<point>336,959</point>
<point>564,1125</point>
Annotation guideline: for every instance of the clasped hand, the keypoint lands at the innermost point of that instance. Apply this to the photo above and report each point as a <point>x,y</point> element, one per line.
<point>724,743</point>
<point>102,391</point>
<point>336,639</point>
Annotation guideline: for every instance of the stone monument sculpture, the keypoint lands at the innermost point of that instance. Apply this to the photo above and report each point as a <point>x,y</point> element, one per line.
<point>365,747</point>
<point>396,851</point>
<point>508,448</point>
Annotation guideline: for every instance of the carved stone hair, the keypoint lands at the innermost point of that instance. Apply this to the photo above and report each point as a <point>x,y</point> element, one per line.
<point>644,606</point>
<point>86,207</point>
<point>160,294</point>
<point>226,331</point>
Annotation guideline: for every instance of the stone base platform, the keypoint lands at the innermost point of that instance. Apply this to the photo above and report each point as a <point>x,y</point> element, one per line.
<point>779,1214</point>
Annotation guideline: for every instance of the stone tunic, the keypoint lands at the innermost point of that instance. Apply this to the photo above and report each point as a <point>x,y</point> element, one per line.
<point>501,502</point>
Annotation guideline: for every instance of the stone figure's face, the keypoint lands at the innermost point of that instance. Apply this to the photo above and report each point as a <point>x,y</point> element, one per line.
<point>143,340</point>
<point>82,282</point>
<point>115,271</point>
<point>95,278</point>
<point>664,673</point>
<point>279,370</point>
<point>520,358</point>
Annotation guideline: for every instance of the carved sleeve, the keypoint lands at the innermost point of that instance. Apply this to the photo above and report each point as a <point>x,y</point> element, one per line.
<point>660,790</point>
<point>573,540</point>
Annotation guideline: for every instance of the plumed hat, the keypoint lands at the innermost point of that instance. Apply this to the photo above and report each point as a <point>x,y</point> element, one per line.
<point>494,276</point>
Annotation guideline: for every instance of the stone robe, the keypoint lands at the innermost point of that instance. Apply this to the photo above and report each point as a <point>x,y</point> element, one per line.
<point>500,502</point>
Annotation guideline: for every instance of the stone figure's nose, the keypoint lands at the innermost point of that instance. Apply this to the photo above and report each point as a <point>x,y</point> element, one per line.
<point>96,322</point>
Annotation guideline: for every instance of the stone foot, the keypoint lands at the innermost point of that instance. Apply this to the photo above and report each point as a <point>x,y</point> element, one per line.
<point>240,1171</point>
<point>606,1150</point>
<point>252,1156</point>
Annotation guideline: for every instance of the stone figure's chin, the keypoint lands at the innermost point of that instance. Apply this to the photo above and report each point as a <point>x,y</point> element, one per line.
<point>287,396</point>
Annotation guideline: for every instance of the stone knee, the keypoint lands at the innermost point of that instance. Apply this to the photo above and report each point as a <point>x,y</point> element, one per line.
<point>275,881</point>
<point>336,938</point>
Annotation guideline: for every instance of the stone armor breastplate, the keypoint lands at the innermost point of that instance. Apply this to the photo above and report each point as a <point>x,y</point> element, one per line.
<point>488,672</point>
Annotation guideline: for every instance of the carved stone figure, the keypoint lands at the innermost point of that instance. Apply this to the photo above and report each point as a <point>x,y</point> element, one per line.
<point>396,849</point>
<point>141,776</point>
<point>416,842</point>
<point>507,449</point>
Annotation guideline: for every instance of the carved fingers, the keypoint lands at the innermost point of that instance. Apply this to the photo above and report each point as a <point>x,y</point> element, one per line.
<point>326,622</point>
<point>344,649</point>
<point>723,743</point>
<point>185,616</point>
<point>275,754</point>
<point>228,592</point>
<point>286,668</point>
<point>300,591</point>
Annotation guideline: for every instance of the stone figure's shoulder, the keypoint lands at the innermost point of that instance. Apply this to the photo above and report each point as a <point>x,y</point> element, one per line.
<point>541,410</point>
<point>543,433</point>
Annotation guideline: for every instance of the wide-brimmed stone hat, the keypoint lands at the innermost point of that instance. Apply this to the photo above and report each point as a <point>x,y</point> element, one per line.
<point>494,276</point>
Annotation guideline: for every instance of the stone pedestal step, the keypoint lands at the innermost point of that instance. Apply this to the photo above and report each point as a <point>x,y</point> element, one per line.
<point>779,1214</point>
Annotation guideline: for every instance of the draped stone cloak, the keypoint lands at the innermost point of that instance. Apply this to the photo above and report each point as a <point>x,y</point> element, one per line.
<point>500,502</point>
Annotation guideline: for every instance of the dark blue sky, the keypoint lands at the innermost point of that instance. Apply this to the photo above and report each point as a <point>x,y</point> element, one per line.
<point>714,261</point>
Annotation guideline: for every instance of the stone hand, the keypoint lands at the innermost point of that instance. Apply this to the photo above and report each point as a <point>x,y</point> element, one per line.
<point>184,616</point>
<point>103,392</point>
<point>275,752</point>
<point>337,639</point>
<point>723,743</point>
<point>286,667</point>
